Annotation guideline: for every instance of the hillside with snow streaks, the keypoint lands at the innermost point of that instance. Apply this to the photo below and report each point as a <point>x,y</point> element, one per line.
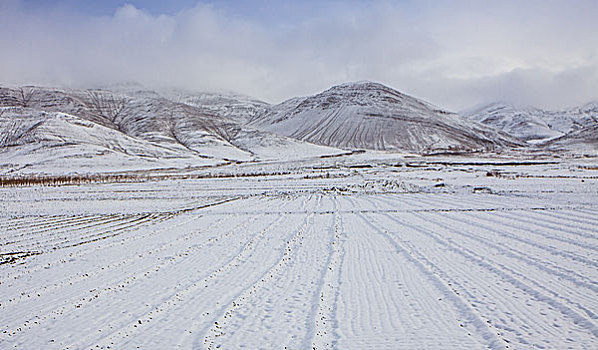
<point>535,125</point>
<point>585,139</point>
<point>214,128</point>
<point>56,142</point>
<point>367,115</point>
<point>133,123</point>
<point>240,108</point>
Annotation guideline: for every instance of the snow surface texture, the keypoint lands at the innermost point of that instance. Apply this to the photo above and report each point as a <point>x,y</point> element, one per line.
<point>358,252</point>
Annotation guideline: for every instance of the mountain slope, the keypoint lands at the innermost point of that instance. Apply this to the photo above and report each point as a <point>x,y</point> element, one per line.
<point>239,108</point>
<point>372,116</point>
<point>584,140</point>
<point>172,125</point>
<point>533,124</point>
<point>33,140</point>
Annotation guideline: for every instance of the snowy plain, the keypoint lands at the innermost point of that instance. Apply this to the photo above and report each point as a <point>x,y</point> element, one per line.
<point>363,251</point>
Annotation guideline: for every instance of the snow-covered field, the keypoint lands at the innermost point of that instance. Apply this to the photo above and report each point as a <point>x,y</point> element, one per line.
<point>356,252</point>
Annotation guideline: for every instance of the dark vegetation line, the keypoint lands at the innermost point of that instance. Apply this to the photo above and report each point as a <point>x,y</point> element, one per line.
<point>118,178</point>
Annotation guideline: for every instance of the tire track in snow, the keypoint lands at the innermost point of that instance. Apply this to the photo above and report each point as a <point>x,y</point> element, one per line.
<point>105,246</point>
<point>505,275</point>
<point>113,287</point>
<point>467,315</point>
<point>592,213</point>
<point>479,215</point>
<point>81,251</point>
<point>551,275</point>
<point>94,272</point>
<point>322,334</point>
<point>66,222</point>
<point>180,292</point>
<point>51,234</point>
<point>183,294</point>
<point>571,217</point>
<point>54,308</point>
<point>114,229</point>
<point>559,231</point>
<point>212,337</point>
<point>534,242</point>
<point>511,235</point>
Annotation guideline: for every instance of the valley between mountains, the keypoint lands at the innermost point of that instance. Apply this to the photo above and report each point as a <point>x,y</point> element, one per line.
<point>357,218</point>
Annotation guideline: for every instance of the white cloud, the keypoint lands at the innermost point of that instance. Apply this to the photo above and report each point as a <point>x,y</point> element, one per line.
<point>452,53</point>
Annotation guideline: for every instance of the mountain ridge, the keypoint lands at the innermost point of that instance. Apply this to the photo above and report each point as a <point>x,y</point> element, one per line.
<point>370,115</point>
<point>531,124</point>
<point>134,124</point>
<point>191,133</point>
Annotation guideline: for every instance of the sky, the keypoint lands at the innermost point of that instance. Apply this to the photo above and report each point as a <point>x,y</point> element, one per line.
<point>452,53</point>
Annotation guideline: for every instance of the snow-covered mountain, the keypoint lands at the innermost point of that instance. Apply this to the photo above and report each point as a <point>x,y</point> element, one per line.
<point>131,127</point>
<point>367,115</point>
<point>34,140</point>
<point>533,124</point>
<point>133,123</point>
<point>239,108</point>
<point>583,141</point>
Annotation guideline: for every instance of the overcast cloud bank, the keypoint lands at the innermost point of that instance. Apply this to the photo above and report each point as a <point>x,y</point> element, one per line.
<point>452,53</point>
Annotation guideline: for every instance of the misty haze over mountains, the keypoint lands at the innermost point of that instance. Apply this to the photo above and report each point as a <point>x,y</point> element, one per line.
<point>453,53</point>
<point>128,124</point>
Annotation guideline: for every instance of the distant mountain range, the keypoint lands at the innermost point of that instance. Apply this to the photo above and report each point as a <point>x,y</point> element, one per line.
<point>45,128</point>
<point>533,124</point>
<point>131,127</point>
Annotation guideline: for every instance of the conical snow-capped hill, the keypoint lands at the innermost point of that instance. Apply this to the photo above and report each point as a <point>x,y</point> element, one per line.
<point>368,115</point>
